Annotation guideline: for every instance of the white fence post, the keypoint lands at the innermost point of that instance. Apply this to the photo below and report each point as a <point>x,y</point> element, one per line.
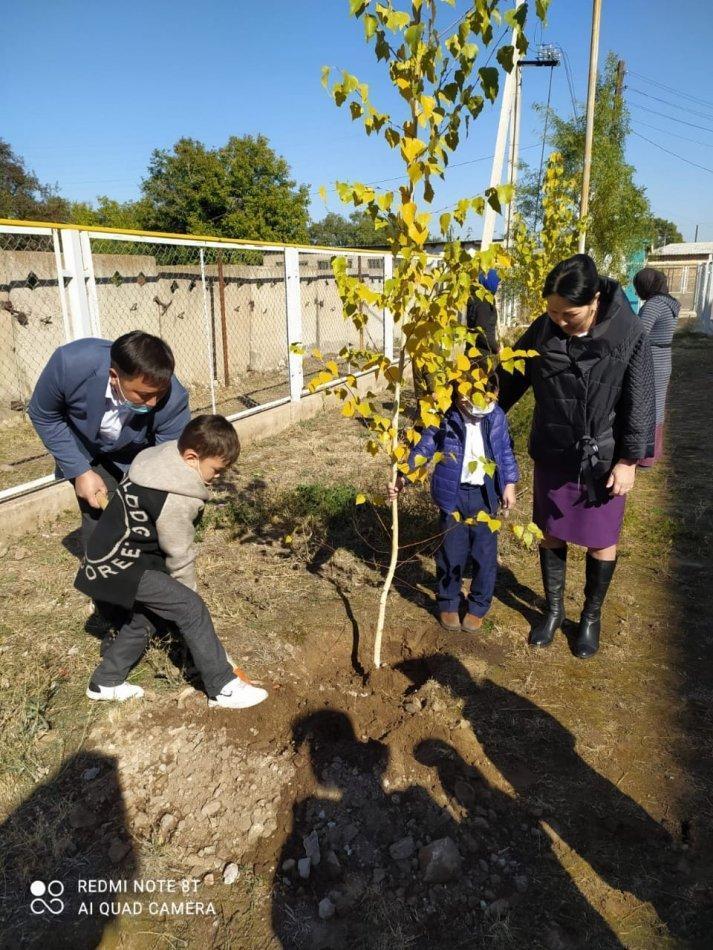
<point>61,289</point>
<point>208,333</point>
<point>90,283</point>
<point>388,316</point>
<point>294,320</point>
<point>84,322</point>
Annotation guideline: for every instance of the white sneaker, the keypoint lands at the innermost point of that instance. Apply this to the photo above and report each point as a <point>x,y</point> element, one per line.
<point>116,694</point>
<point>238,694</point>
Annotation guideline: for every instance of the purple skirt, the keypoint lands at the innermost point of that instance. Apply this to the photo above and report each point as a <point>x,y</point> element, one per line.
<point>561,509</point>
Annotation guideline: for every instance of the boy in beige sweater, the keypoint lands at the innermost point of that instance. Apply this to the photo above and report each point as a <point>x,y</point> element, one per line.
<point>141,556</point>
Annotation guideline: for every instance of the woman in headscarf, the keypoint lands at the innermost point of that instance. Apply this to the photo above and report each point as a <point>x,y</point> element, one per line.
<point>658,316</point>
<point>482,315</point>
<point>594,419</point>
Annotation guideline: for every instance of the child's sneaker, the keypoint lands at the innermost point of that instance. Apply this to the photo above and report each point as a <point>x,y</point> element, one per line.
<point>118,694</point>
<point>238,694</point>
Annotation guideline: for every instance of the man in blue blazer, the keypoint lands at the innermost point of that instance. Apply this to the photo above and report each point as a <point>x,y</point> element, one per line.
<point>97,404</point>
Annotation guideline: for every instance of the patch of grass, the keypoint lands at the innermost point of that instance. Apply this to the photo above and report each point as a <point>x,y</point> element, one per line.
<point>24,718</point>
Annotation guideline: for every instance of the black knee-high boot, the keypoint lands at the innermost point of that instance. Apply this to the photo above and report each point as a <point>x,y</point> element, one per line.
<point>553,563</point>
<point>599,575</point>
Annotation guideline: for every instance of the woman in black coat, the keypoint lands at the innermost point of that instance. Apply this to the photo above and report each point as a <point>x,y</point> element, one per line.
<point>594,419</point>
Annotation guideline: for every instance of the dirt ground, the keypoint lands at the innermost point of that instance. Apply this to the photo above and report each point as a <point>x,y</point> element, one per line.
<point>470,793</point>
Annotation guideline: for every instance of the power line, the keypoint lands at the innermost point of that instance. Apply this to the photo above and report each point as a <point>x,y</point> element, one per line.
<point>678,92</point>
<point>672,118</point>
<point>681,138</point>
<point>570,81</point>
<point>667,102</point>
<point>472,161</point>
<point>675,154</point>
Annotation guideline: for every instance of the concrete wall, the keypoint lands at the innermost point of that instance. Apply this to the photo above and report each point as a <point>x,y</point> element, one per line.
<point>31,326</point>
<point>152,293</point>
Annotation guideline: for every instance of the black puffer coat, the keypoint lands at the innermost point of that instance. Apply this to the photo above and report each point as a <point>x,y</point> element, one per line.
<point>594,395</point>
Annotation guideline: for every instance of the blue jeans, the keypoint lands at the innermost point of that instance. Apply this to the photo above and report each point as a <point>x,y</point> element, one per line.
<point>461,542</point>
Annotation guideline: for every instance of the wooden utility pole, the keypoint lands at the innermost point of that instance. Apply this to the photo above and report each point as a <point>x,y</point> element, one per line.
<point>496,172</point>
<point>589,135</point>
<point>619,87</point>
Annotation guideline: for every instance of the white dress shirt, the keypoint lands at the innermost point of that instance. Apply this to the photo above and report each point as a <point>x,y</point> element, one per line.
<point>115,415</point>
<point>474,450</point>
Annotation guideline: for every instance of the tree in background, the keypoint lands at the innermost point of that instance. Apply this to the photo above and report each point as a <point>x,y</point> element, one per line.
<point>619,213</point>
<point>334,230</point>
<point>110,213</point>
<point>534,253</point>
<point>22,194</point>
<point>242,189</point>
<point>664,232</point>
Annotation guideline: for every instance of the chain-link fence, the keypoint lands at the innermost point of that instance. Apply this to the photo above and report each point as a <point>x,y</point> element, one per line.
<point>323,325</point>
<point>222,307</point>
<point>33,324</point>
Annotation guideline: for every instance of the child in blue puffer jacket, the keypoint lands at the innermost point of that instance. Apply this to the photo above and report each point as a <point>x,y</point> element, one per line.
<point>467,437</point>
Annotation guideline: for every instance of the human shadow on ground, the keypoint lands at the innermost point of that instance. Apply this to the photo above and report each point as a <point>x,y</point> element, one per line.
<point>546,904</point>
<point>71,829</point>
<point>536,754</point>
<point>361,862</point>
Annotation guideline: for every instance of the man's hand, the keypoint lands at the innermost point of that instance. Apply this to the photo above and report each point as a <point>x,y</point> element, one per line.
<point>622,477</point>
<point>393,491</point>
<point>92,489</point>
<point>509,498</point>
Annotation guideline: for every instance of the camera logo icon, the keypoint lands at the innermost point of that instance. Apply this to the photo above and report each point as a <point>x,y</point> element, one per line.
<point>53,891</point>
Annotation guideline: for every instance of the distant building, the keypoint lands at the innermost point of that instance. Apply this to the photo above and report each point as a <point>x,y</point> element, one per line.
<point>679,262</point>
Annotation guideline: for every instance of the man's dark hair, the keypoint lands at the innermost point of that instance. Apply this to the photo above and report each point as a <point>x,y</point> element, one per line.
<point>576,279</point>
<point>211,437</point>
<point>141,354</point>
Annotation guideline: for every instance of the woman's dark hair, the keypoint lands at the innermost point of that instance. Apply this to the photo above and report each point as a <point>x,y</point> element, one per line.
<point>649,282</point>
<point>141,354</point>
<point>210,437</point>
<point>576,279</point>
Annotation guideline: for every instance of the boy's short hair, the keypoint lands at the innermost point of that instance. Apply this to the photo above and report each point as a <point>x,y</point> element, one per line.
<point>142,354</point>
<point>210,437</point>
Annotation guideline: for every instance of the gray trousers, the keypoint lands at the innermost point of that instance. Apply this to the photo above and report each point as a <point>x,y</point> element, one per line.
<point>160,596</point>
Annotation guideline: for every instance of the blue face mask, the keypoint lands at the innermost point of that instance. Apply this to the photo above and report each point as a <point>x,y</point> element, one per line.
<point>127,404</point>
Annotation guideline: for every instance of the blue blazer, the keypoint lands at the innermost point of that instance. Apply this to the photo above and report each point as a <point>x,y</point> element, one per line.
<point>69,402</point>
<point>449,438</point>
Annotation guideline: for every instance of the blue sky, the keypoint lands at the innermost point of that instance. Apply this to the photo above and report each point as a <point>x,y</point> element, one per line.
<point>91,88</point>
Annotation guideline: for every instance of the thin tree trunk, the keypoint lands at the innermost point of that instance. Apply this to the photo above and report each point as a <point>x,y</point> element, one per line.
<point>394,518</point>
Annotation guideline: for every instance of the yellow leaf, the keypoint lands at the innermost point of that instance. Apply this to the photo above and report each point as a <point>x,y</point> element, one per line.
<point>348,408</point>
<point>360,499</point>
<point>462,363</point>
<point>317,354</point>
<point>287,539</point>
<point>332,367</point>
<point>323,193</point>
<point>411,148</point>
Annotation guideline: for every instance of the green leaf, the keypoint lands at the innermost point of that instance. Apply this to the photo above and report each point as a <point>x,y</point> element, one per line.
<point>506,57</point>
<point>489,80</point>
<point>413,35</point>
<point>541,7</point>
